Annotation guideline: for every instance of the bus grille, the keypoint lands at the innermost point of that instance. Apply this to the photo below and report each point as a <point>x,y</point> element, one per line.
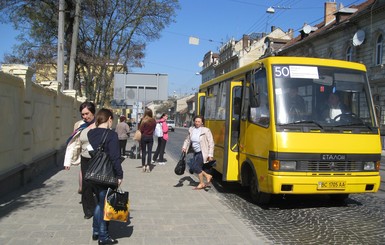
<point>329,166</point>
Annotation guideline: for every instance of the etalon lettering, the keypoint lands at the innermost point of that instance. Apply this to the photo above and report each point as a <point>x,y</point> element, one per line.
<point>333,157</point>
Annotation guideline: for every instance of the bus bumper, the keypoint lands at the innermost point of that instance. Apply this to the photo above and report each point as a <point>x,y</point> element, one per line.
<point>323,184</point>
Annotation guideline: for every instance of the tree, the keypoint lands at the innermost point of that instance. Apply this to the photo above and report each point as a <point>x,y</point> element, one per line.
<point>112,36</point>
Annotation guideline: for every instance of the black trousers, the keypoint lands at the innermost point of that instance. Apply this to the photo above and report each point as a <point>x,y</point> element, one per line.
<point>160,150</point>
<point>88,199</point>
<point>146,146</point>
<point>122,144</point>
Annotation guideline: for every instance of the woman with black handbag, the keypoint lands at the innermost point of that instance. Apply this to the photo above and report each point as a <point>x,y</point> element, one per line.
<point>103,122</point>
<point>200,139</point>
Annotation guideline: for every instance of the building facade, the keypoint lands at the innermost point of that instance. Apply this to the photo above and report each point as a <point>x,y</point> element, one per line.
<point>354,33</point>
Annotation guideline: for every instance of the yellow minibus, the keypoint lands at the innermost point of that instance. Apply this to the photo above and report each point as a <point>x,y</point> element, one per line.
<point>294,125</point>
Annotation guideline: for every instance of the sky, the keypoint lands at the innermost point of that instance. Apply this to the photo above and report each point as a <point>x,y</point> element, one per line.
<point>213,22</point>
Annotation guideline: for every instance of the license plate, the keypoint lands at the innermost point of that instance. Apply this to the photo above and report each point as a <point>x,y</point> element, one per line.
<point>331,185</point>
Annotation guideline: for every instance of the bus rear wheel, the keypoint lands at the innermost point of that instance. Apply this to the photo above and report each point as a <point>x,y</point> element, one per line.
<point>256,196</point>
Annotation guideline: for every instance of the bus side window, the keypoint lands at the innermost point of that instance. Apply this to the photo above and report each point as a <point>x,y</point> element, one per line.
<point>259,103</point>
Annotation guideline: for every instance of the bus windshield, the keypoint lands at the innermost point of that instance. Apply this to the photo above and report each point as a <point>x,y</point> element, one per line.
<point>325,96</point>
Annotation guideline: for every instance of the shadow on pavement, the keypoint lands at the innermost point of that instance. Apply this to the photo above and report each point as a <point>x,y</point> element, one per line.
<point>121,229</point>
<point>31,194</point>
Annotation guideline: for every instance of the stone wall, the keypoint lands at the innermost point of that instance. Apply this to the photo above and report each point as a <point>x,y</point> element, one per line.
<point>35,124</point>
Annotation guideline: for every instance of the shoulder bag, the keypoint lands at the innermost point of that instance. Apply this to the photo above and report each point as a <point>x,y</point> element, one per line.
<point>137,135</point>
<point>101,170</point>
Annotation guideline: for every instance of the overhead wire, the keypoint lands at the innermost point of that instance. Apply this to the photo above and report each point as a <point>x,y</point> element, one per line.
<point>312,22</point>
<point>258,24</point>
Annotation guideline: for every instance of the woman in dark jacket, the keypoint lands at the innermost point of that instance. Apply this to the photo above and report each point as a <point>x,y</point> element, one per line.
<point>103,123</point>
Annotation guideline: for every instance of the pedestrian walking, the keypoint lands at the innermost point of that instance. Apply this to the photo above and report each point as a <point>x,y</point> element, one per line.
<point>200,139</point>
<point>103,122</point>
<point>123,131</point>
<point>147,127</point>
<point>162,140</point>
<point>77,153</point>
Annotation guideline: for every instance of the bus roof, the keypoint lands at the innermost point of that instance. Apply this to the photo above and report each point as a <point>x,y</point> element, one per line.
<point>285,60</point>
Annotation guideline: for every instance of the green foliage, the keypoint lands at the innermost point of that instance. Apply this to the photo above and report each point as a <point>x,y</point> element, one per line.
<point>112,35</point>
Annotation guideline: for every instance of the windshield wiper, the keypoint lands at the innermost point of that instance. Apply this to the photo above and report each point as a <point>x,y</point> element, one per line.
<point>300,122</point>
<point>354,124</point>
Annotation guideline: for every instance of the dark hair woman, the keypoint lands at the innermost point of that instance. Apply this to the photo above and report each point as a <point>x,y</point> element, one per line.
<point>200,139</point>
<point>147,127</point>
<point>103,122</point>
<point>77,153</point>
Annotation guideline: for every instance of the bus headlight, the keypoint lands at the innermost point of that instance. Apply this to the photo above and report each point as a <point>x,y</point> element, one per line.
<point>288,165</point>
<point>369,166</point>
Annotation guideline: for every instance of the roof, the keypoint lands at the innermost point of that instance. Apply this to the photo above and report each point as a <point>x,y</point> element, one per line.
<point>361,9</point>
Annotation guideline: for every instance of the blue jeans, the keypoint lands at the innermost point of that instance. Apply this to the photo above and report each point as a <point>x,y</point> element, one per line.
<point>100,227</point>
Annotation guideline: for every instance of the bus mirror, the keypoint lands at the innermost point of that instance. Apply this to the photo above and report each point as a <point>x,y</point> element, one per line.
<point>324,80</point>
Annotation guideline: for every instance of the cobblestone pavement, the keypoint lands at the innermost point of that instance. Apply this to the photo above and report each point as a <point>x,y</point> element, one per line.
<point>313,219</point>
<point>309,219</point>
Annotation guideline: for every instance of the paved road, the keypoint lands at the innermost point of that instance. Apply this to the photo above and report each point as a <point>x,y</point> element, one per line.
<point>48,212</point>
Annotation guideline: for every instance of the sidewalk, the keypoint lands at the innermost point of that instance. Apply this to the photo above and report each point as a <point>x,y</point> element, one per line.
<point>48,212</point>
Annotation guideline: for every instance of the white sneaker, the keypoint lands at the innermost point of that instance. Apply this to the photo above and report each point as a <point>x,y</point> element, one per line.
<point>161,163</point>
<point>152,161</point>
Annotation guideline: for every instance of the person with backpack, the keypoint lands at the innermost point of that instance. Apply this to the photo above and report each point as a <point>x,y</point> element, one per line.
<point>161,132</point>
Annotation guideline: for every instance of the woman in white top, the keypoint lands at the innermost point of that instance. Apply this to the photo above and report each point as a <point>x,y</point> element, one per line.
<point>77,152</point>
<point>201,140</point>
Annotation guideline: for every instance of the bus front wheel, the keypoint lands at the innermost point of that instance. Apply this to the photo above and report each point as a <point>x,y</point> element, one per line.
<point>257,196</point>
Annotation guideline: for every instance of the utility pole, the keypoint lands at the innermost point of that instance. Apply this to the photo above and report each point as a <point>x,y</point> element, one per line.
<point>71,73</point>
<point>60,46</point>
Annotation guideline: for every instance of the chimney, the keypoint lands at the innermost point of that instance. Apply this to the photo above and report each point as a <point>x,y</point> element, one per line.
<point>245,41</point>
<point>330,9</point>
<point>291,33</point>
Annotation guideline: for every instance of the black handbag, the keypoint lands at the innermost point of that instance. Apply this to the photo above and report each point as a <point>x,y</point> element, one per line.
<point>101,170</point>
<point>116,205</point>
<point>207,167</point>
<point>181,165</point>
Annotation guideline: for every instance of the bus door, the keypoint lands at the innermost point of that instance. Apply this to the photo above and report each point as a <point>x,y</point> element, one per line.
<point>230,171</point>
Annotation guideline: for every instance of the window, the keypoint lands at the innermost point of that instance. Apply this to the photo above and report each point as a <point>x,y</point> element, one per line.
<point>259,103</point>
<point>216,102</point>
<point>379,50</point>
<point>349,53</point>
